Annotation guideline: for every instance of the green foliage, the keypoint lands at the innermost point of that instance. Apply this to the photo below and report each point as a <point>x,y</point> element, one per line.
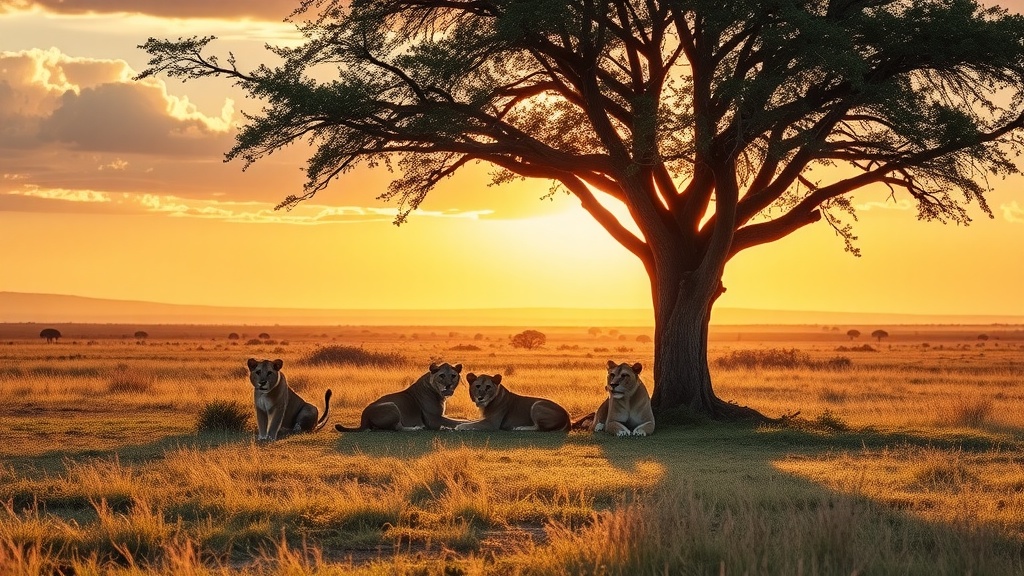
<point>224,416</point>
<point>338,355</point>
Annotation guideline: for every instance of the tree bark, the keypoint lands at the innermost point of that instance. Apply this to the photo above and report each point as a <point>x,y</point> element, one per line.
<point>682,380</point>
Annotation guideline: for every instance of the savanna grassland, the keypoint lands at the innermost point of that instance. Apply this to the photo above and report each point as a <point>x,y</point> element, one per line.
<point>907,458</point>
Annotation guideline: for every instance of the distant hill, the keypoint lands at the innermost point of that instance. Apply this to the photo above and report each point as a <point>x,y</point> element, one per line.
<point>42,308</point>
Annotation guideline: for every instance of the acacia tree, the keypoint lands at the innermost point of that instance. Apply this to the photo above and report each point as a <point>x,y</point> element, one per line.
<point>704,118</point>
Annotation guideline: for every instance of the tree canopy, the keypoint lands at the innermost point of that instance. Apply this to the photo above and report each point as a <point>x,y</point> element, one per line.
<point>719,125</point>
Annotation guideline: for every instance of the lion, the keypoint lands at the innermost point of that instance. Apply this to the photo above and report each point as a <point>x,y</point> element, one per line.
<point>628,407</point>
<point>418,407</point>
<point>278,408</point>
<point>505,410</point>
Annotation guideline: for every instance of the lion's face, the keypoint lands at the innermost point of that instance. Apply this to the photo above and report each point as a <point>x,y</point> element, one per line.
<point>483,388</point>
<point>445,378</point>
<point>622,379</point>
<point>264,374</point>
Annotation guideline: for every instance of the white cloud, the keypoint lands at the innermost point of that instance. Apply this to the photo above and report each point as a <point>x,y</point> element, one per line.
<point>49,98</point>
<point>901,204</point>
<point>1012,212</point>
<point>227,211</point>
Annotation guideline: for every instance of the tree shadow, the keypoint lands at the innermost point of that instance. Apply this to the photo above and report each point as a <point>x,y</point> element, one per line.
<point>409,445</point>
<point>734,469</point>
<point>59,459</point>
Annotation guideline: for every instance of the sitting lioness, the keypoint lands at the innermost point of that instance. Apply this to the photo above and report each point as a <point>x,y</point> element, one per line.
<point>628,407</point>
<point>419,406</point>
<point>278,407</point>
<point>505,410</point>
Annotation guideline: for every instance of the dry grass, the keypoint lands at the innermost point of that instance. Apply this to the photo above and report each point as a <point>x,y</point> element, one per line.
<point>907,461</point>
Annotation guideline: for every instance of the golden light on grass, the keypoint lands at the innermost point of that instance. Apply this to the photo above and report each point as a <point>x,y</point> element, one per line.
<point>906,460</point>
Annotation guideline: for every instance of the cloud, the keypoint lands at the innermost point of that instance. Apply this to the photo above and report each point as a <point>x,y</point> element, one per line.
<point>902,204</point>
<point>1012,212</point>
<point>274,10</point>
<point>31,199</point>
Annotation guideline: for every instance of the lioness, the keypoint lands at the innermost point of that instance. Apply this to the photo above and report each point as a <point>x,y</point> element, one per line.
<point>419,406</point>
<point>505,410</point>
<point>628,407</point>
<point>278,407</point>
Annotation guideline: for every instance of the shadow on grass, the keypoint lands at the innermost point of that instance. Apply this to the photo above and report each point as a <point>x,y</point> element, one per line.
<point>754,516</point>
<point>411,445</point>
<point>56,461</point>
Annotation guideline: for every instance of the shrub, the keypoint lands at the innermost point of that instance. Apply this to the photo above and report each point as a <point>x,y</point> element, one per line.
<point>337,355</point>
<point>264,336</point>
<point>233,336</point>
<point>529,339</point>
<point>778,358</point>
<point>224,416</point>
<point>465,348</point>
<point>643,339</point>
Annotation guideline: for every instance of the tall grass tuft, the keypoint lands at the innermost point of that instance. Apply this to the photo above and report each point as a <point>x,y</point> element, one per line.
<point>779,358</point>
<point>969,412</point>
<point>131,382</point>
<point>224,416</point>
<point>337,355</point>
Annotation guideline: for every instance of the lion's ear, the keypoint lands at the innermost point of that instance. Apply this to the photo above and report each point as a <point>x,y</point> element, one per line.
<point>612,364</point>
<point>278,363</point>
<point>458,368</point>
<point>434,367</point>
<point>496,378</point>
<point>637,368</point>
<point>470,377</point>
<point>251,362</point>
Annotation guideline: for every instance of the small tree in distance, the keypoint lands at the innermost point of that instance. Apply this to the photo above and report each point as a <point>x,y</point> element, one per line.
<point>264,336</point>
<point>51,334</point>
<point>879,334</point>
<point>853,334</point>
<point>529,339</point>
<point>594,331</point>
<point>233,336</point>
<point>141,335</point>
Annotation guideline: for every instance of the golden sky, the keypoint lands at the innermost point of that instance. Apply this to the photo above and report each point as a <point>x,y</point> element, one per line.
<point>116,189</point>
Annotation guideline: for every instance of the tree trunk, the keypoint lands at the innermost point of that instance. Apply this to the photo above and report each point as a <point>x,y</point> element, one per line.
<point>682,381</point>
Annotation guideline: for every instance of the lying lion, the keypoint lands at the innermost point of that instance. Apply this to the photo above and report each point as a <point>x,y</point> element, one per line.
<point>419,406</point>
<point>505,410</point>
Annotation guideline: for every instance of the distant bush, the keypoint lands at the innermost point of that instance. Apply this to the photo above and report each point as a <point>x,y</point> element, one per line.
<point>600,349</point>
<point>778,358</point>
<point>337,355</point>
<point>465,348</point>
<point>623,349</point>
<point>224,416</point>
<point>253,342</point>
<point>529,339</point>
<point>264,336</point>
<point>643,339</point>
<point>568,347</point>
<point>861,348</point>
<point>233,336</point>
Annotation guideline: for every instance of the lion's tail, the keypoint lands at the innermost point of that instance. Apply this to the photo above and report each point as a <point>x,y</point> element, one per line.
<point>584,423</point>
<point>327,410</point>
